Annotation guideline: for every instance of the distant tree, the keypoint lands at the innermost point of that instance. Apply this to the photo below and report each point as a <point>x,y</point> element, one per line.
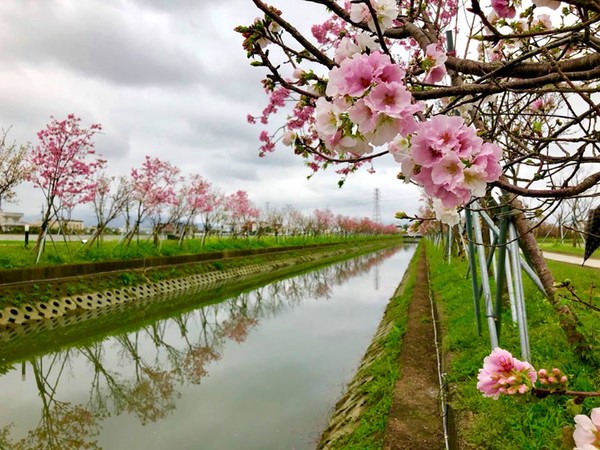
<point>13,167</point>
<point>195,197</point>
<point>111,196</point>
<point>321,222</point>
<point>153,187</point>
<point>271,221</point>
<point>63,167</point>
<point>241,212</point>
<point>212,213</point>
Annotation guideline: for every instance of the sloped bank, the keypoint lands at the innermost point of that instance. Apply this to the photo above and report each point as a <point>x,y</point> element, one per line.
<point>377,410</point>
<point>163,278</point>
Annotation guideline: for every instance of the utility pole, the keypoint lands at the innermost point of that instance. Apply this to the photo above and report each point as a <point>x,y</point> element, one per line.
<point>376,206</point>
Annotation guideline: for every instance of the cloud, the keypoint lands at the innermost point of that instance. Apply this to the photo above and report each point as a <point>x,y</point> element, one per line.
<point>168,80</point>
<point>114,41</point>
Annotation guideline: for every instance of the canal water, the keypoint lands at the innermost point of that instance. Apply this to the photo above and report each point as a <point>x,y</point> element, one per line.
<point>258,371</point>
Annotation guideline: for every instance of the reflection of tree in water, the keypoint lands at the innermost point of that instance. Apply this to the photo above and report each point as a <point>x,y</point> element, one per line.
<point>178,358</point>
<point>62,425</point>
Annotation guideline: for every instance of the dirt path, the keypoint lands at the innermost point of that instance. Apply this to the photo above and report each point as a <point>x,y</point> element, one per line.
<point>572,259</point>
<point>415,421</point>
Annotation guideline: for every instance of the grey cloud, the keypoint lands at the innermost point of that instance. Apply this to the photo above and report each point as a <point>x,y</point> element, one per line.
<point>100,40</point>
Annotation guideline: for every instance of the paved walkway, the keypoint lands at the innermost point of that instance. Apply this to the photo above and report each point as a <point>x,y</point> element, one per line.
<point>572,259</point>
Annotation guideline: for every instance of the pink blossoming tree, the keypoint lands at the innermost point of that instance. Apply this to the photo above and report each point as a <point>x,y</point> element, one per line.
<point>458,104</point>
<point>63,167</point>
<point>153,191</point>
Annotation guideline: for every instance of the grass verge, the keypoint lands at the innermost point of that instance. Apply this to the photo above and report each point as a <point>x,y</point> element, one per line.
<point>509,422</point>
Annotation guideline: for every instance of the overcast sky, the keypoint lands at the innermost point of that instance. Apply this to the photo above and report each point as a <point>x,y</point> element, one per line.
<point>167,79</point>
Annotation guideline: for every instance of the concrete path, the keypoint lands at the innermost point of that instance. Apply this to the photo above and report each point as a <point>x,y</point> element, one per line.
<point>572,259</point>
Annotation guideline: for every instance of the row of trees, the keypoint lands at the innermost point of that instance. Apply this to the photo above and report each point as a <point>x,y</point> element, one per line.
<point>65,167</point>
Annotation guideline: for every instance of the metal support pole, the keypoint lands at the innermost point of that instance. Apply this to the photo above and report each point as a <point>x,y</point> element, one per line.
<point>511,291</point>
<point>485,283</point>
<point>471,248</point>
<point>528,270</point>
<point>501,270</point>
<point>519,296</point>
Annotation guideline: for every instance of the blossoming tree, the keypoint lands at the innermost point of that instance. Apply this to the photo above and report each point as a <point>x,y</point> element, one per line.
<point>153,189</point>
<point>63,167</point>
<point>13,169</point>
<point>515,109</point>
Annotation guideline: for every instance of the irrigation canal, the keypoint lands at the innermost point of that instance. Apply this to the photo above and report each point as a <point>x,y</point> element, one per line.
<point>260,370</point>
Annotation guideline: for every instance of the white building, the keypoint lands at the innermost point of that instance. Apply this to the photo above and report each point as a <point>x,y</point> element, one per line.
<point>9,220</point>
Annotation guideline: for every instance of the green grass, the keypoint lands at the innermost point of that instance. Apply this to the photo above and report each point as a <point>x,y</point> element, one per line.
<point>507,423</point>
<point>14,255</point>
<point>566,247</point>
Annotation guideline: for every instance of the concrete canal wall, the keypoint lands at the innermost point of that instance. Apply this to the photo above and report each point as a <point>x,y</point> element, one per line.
<point>232,267</point>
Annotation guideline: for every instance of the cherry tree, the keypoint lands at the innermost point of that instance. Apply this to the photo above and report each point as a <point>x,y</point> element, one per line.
<point>294,222</point>
<point>153,188</point>
<point>111,196</point>
<point>271,220</point>
<point>464,98</point>
<point>63,167</point>
<point>241,212</point>
<point>13,168</point>
<point>212,213</point>
<point>197,197</point>
<point>321,222</point>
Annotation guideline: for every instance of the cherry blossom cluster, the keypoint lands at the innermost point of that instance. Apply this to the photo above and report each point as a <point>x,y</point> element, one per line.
<point>507,8</point>
<point>449,160</point>
<point>504,374</point>
<point>370,105</point>
<point>553,380</point>
<point>364,104</point>
<point>386,12</point>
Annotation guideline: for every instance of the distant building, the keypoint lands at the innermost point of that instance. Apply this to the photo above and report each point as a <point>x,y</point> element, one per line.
<point>69,226</point>
<point>10,220</point>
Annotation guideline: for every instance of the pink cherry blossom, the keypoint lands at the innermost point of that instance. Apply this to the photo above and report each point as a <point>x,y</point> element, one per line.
<point>587,431</point>
<point>386,12</point>
<point>327,118</point>
<point>399,149</point>
<point>448,171</point>
<point>434,138</point>
<point>363,116</point>
<point>391,99</point>
<point>504,9</point>
<point>449,216</point>
<point>345,49</point>
<point>433,63</point>
<point>357,76</point>
<point>489,159</point>
<point>504,374</point>
<point>475,179</point>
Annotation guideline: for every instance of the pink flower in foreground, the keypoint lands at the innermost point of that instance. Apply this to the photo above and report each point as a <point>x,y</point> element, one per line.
<point>433,63</point>
<point>504,9</point>
<point>391,98</point>
<point>435,138</point>
<point>587,431</point>
<point>504,374</point>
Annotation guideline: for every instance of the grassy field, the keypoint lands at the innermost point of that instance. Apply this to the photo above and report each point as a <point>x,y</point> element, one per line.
<point>509,422</point>
<point>566,247</point>
<point>14,255</point>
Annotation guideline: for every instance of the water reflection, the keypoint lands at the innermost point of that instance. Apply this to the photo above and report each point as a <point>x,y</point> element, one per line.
<point>142,373</point>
